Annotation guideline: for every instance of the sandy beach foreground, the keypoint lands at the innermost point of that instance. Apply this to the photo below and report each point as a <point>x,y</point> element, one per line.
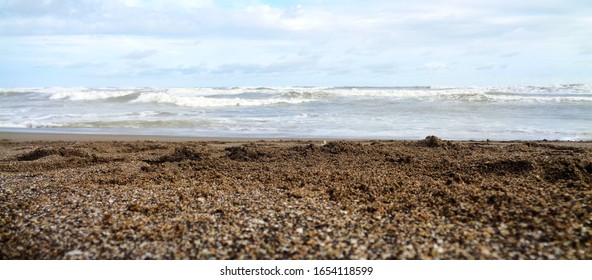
<point>218,199</point>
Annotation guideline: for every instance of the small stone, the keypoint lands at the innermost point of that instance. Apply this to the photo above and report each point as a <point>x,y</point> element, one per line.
<point>485,251</point>
<point>74,253</point>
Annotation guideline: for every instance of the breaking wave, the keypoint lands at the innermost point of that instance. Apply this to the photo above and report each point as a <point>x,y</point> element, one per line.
<point>498,112</point>
<point>262,96</point>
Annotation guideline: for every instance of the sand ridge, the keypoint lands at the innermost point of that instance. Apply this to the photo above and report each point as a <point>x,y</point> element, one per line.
<point>295,200</point>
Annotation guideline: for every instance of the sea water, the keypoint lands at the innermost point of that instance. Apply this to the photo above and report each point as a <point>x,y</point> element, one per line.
<point>557,112</point>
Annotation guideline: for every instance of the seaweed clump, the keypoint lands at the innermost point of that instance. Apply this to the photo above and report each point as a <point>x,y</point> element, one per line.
<point>42,152</point>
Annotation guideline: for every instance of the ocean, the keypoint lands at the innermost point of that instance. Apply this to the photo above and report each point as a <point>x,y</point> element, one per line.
<point>556,112</point>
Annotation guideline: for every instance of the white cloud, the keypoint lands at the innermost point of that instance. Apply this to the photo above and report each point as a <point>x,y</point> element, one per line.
<point>140,54</point>
<point>167,5</point>
<point>85,64</point>
<point>492,67</point>
<point>433,66</point>
<point>324,41</point>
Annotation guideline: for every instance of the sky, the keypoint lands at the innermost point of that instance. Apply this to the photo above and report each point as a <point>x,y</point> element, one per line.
<point>206,43</point>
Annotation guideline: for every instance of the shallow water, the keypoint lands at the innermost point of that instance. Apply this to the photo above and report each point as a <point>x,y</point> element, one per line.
<point>559,112</point>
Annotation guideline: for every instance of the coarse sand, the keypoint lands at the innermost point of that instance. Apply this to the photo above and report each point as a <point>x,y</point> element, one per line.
<point>297,199</point>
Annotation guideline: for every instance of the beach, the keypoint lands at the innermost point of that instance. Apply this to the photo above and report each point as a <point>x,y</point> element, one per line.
<point>68,196</point>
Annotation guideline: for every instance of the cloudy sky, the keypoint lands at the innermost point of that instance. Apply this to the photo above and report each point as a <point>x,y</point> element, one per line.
<point>182,43</point>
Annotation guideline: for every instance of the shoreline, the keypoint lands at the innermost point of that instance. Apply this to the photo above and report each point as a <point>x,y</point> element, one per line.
<point>80,137</point>
<point>8,136</point>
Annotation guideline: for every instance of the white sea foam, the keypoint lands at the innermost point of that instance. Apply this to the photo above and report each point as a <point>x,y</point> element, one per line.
<point>89,94</point>
<point>215,97</point>
<point>469,94</point>
<point>189,100</point>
